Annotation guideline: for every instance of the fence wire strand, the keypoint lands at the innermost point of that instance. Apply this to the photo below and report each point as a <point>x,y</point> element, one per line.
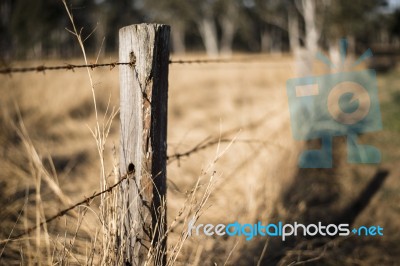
<point>86,201</point>
<point>177,156</point>
<point>200,146</point>
<point>215,60</point>
<point>43,68</point>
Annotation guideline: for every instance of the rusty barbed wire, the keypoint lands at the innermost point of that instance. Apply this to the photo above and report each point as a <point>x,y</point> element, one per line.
<point>44,68</point>
<point>208,142</point>
<point>212,142</point>
<point>215,60</point>
<point>65,211</point>
<point>204,144</point>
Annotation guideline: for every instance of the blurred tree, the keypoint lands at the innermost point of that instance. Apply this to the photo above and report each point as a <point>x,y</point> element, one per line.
<point>37,28</point>
<point>5,33</point>
<point>312,24</point>
<point>31,26</point>
<point>216,21</point>
<point>274,14</point>
<point>395,24</point>
<point>301,22</point>
<point>351,20</point>
<point>117,14</point>
<point>176,13</point>
<point>219,22</point>
<point>204,16</point>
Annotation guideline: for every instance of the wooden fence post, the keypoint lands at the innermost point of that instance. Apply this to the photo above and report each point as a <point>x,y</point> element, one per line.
<point>143,113</point>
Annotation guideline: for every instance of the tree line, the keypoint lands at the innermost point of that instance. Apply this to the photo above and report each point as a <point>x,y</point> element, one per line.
<point>37,29</point>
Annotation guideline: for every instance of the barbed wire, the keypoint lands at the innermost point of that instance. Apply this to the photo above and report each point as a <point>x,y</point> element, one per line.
<point>177,156</point>
<point>43,68</point>
<point>204,145</point>
<point>95,195</point>
<point>65,211</point>
<point>208,142</point>
<point>215,60</point>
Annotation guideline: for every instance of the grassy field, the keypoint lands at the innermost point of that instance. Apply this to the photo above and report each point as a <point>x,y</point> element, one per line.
<point>49,160</point>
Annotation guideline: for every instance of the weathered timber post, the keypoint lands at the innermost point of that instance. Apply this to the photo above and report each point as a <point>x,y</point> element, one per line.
<point>143,113</point>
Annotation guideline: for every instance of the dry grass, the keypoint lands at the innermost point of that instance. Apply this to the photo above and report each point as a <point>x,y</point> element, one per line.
<point>49,160</point>
<point>57,111</point>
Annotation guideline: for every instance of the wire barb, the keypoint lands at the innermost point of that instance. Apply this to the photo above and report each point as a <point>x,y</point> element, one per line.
<point>43,68</point>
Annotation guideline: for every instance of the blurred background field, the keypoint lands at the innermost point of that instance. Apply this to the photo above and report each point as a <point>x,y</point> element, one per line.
<point>49,158</point>
<point>242,103</point>
<point>249,109</point>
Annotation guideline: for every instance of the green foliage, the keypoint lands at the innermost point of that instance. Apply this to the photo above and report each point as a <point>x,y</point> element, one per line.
<point>346,18</point>
<point>391,107</point>
<point>395,23</point>
<point>37,28</point>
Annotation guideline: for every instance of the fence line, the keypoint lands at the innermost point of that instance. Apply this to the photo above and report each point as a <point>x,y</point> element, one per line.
<point>215,60</point>
<point>127,170</point>
<point>65,211</point>
<point>204,144</point>
<point>43,68</point>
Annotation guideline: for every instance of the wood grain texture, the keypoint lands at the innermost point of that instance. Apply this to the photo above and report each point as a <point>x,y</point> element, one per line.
<point>143,113</point>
